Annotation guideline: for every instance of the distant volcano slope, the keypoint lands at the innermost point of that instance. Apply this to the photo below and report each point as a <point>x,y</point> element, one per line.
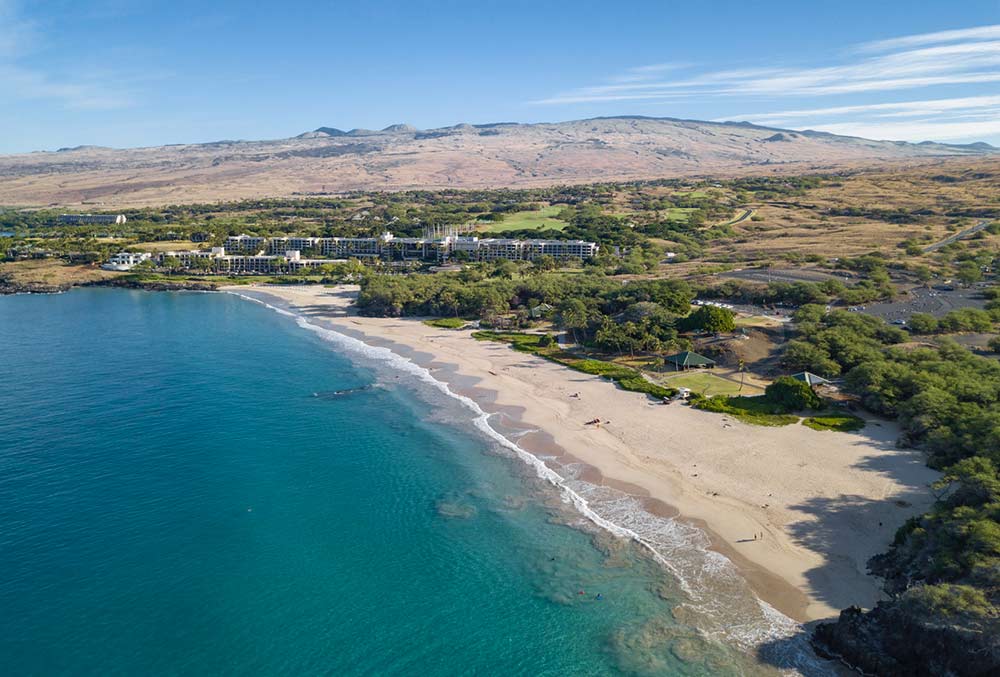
<point>329,160</point>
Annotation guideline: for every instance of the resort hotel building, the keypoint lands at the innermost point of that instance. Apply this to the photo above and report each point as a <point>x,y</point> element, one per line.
<point>84,219</point>
<point>391,248</point>
<point>247,254</point>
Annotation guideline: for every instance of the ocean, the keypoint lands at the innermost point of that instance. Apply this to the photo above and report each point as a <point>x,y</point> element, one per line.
<point>191,483</point>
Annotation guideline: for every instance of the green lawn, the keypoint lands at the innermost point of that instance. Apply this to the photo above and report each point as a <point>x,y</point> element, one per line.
<point>834,421</point>
<point>755,410</point>
<point>447,323</point>
<point>756,321</point>
<point>705,383</point>
<point>681,214</point>
<point>541,219</point>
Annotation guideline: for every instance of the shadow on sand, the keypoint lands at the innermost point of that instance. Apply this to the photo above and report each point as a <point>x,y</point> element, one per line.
<point>832,531</point>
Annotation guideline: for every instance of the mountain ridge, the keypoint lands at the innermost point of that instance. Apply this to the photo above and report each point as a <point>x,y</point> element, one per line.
<point>330,160</point>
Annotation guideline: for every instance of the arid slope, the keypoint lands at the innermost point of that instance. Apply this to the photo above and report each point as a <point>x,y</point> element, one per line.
<point>464,156</point>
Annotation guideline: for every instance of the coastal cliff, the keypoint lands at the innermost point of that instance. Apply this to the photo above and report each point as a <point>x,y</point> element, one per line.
<point>942,574</point>
<point>891,641</point>
<point>8,285</point>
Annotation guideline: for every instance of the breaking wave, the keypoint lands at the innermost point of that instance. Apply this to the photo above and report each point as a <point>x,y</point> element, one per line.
<point>719,602</point>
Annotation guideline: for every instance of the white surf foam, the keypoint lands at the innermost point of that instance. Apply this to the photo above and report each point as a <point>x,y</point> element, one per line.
<point>681,548</point>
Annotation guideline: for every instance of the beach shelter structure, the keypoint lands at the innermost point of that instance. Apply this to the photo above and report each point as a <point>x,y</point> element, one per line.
<point>687,359</point>
<point>541,310</point>
<point>810,378</point>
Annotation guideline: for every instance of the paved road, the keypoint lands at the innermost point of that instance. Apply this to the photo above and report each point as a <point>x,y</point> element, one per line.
<point>739,219</point>
<point>961,235</point>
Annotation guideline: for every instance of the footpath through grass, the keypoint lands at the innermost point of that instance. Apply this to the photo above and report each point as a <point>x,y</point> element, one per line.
<point>761,411</point>
<point>627,378</point>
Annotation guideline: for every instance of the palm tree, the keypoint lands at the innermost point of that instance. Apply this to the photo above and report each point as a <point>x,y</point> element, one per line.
<point>574,316</point>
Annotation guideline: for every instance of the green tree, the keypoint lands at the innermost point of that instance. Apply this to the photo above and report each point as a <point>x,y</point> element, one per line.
<point>923,273</point>
<point>923,323</point>
<point>544,263</point>
<point>969,272</point>
<point>792,395</point>
<point>809,357</point>
<point>574,316</point>
<point>172,264</point>
<point>505,269</point>
<point>712,319</point>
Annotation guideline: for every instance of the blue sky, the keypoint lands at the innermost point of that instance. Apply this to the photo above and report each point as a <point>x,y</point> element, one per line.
<point>149,72</point>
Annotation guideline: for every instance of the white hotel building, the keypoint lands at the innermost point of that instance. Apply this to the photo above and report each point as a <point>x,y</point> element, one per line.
<point>391,248</point>
<point>126,260</point>
<point>220,261</point>
<point>245,254</point>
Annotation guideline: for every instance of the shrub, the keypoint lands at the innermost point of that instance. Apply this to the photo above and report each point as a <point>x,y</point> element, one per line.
<point>966,319</point>
<point>792,395</point>
<point>923,323</point>
<point>627,378</point>
<point>755,410</point>
<point>712,319</point>
<point>948,600</point>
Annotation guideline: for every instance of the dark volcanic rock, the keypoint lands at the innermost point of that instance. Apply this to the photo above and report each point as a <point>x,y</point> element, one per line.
<point>180,285</point>
<point>887,641</point>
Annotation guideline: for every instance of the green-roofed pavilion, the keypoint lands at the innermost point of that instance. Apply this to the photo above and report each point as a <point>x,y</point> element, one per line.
<point>810,378</point>
<point>687,359</point>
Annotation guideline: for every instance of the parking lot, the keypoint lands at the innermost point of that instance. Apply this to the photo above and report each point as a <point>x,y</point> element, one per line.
<point>937,302</point>
<point>767,275</point>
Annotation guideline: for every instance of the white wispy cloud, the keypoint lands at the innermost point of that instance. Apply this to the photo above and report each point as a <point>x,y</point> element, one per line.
<point>932,129</point>
<point>22,79</point>
<point>960,63</point>
<point>951,119</point>
<point>896,109</point>
<point>648,72</point>
<point>965,57</point>
<point>937,37</point>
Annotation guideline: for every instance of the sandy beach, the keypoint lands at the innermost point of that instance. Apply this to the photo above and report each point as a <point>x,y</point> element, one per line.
<point>822,502</point>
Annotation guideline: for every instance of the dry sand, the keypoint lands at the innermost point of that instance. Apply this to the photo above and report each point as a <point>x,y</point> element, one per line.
<point>825,502</point>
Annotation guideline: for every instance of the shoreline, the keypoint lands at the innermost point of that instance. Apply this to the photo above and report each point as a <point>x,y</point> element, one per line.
<point>789,569</point>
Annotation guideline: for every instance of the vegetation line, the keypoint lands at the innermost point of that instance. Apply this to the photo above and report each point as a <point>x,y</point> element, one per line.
<point>545,346</point>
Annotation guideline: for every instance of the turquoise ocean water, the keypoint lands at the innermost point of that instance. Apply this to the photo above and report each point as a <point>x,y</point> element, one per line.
<point>194,484</point>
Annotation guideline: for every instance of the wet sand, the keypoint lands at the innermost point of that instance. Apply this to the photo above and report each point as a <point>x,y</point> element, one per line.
<point>821,503</point>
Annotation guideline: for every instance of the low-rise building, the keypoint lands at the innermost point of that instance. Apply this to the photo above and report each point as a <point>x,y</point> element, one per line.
<point>81,219</point>
<point>123,261</point>
<point>244,243</point>
<point>217,260</point>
